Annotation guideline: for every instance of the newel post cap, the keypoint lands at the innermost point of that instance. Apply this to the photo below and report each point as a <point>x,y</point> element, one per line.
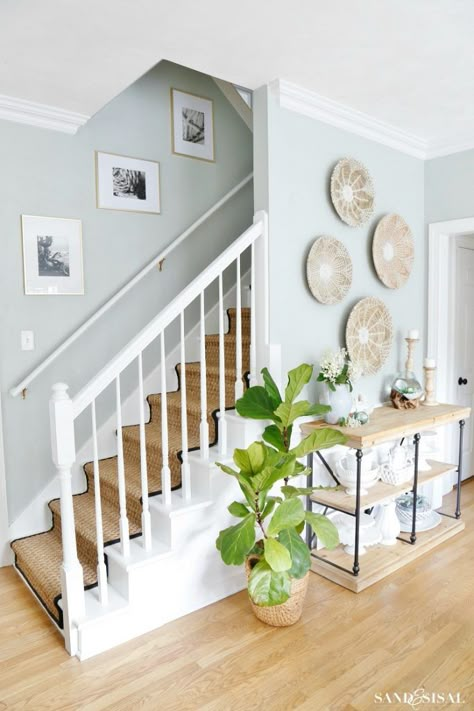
<point>60,392</point>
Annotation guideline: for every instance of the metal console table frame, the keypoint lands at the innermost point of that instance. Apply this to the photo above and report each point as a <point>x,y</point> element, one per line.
<point>310,500</point>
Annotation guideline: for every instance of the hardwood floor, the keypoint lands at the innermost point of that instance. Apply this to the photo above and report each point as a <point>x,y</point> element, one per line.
<point>412,630</point>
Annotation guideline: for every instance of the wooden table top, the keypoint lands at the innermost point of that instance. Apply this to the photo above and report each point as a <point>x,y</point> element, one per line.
<point>387,423</point>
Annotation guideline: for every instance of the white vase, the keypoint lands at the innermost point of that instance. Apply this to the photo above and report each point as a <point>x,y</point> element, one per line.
<point>339,400</point>
<point>387,523</point>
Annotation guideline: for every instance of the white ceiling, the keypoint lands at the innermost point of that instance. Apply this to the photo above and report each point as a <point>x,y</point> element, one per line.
<point>409,63</point>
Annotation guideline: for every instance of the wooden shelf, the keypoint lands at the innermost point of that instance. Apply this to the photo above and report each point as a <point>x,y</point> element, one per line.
<point>386,423</point>
<point>378,493</point>
<point>380,561</point>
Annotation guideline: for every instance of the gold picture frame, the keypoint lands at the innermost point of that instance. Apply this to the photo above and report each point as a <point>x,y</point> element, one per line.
<point>188,110</point>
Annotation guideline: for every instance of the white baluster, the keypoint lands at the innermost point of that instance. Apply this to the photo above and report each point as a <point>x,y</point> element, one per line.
<point>239,386</point>
<point>63,451</point>
<point>204,428</point>
<point>165,469</point>
<point>124,528</point>
<point>185,471</point>
<point>222,382</point>
<point>253,319</point>
<point>261,296</point>
<point>146,521</point>
<point>101,569</point>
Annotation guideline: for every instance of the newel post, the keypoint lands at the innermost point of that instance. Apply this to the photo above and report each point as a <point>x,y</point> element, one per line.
<point>261,286</point>
<point>64,454</point>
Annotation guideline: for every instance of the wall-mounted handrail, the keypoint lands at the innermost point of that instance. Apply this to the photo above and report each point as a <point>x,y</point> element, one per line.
<point>148,334</point>
<point>17,389</point>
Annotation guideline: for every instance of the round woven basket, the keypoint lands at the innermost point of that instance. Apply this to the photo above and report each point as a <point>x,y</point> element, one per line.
<point>290,611</point>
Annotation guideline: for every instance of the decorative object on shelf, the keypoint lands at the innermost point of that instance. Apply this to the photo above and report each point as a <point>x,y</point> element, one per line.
<point>336,376</point>
<point>124,183</point>
<point>406,390</point>
<point>429,367</point>
<point>348,475</point>
<point>369,534</point>
<point>426,519</point>
<point>352,192</point>
<point>328,270</point>
<point>278,563</point>
<point>52,255</point>
<point>393,251</point>
<point>369,335</point>
<point>192,125</point>
<point>388,523</point>
<point>360,413</point>
<point>399,465</point>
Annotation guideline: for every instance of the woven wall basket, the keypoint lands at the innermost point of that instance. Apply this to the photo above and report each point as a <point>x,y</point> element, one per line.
<point>328,270</point>
<point>290,611</point>
<point>393,251</point>
<point>352,192</point>
<point>369,334</point>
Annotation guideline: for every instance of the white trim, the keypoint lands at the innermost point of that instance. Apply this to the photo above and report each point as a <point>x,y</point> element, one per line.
<point>309,103</point>
<point>40,115</point>
<point>235,99</point>
<point>6,556</point>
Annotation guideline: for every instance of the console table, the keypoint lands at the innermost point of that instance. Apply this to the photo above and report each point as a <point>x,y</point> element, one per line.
<point>386,424</point>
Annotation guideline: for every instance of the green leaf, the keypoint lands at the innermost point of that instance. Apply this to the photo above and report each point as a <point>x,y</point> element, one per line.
<point>324,529</point>
<point>299,552</point>
<point>289,491</point>
<point>297,379</point>
<point>273,436</point>
<point>238,509</point>
<point>268,588</point>
<point>244,482</point>
<point>250,460</point>
<point>288,412</point>
<point>269,506</point>
<point>319,439</point>
<point>288,515</point>
<point>276,555</point>
<point>271,388</point>
<point>256,404</point>
<point>236,541</point>
<point>270,475</point>
<point>318,409</point>
<point>227,470</point>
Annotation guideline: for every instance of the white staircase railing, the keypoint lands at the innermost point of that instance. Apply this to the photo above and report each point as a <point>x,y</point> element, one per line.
<point>64,411</point>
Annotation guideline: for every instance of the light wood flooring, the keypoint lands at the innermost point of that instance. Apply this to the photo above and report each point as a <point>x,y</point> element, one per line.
<point>415,629</point>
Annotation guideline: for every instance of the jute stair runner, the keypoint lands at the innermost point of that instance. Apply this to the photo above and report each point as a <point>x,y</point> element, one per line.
<point>39,557</point>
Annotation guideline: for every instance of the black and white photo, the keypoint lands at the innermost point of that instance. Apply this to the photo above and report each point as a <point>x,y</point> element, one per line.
<point>125,183</point>
<point>52,255</point>
<point>192,125</point>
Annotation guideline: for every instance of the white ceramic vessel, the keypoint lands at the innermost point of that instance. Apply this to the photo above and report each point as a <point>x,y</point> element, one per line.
<point>348,478</point>
<point>369,534</point>
<point>387,523</point>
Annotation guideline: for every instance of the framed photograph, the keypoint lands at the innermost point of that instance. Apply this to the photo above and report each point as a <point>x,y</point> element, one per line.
<point>192,125</point>
<point>52,255</point>
<point>125,183</point>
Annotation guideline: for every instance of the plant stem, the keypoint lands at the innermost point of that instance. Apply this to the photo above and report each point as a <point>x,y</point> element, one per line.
<point>258,514</point>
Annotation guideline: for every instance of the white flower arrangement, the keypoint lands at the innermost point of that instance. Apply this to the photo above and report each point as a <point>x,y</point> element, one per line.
<point>336,368</point>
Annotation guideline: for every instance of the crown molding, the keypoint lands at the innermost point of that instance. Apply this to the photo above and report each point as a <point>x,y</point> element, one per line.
<point>296,98</point>
<point>40,115</point>
<point>441,148</point>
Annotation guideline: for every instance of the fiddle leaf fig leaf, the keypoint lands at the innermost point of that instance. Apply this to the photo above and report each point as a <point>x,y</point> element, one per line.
<point>273,436</point>
<point>250,460</point>
<point>288,412</point>
<point>238,509</point>
<point>299,552</point>
<point>270,475</point>
<point>269,506</point>
<point>235,542</point>
<point>271,388</point>
<point>324,529</point>
<point>266,587</point>
<point>288,515</point>
<point>318,439</point>
<point>318,409</point>
<point>276,555</point>
<point>297,379</point>
<point>256,404</point>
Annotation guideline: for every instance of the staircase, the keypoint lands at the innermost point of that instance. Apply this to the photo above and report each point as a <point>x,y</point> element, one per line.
<point>136,548</point>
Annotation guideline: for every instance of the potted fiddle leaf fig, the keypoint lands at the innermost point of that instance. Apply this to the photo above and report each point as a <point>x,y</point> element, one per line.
<point>267,537</point>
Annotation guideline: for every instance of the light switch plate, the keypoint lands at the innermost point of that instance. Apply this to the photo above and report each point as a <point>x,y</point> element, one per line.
<point>27,341</point>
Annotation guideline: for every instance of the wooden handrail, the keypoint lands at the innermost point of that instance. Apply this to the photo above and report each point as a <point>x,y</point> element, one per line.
<point>157,261</point>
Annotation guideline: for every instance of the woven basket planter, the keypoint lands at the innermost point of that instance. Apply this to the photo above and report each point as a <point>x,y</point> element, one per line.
<point>290,611</point>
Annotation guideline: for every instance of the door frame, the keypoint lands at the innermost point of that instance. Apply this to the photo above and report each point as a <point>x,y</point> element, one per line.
<point>441,308</point>
<point>5,550</point>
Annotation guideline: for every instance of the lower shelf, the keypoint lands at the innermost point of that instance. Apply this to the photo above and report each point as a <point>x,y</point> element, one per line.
<point>380,561</point>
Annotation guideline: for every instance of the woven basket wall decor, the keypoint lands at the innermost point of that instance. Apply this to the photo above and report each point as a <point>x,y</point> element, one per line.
<point>328,270</point>
<point>393,251</point>
<point>352,192</point>
<point>369,334</point>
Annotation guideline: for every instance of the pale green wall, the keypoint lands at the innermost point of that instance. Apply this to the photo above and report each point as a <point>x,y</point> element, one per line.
<point>48,173</point>
<point>293,183</point>
<point>449,187</point>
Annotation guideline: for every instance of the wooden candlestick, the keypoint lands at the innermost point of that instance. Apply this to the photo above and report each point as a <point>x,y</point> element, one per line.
<point>430,398</point>
<point>411,347</point>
